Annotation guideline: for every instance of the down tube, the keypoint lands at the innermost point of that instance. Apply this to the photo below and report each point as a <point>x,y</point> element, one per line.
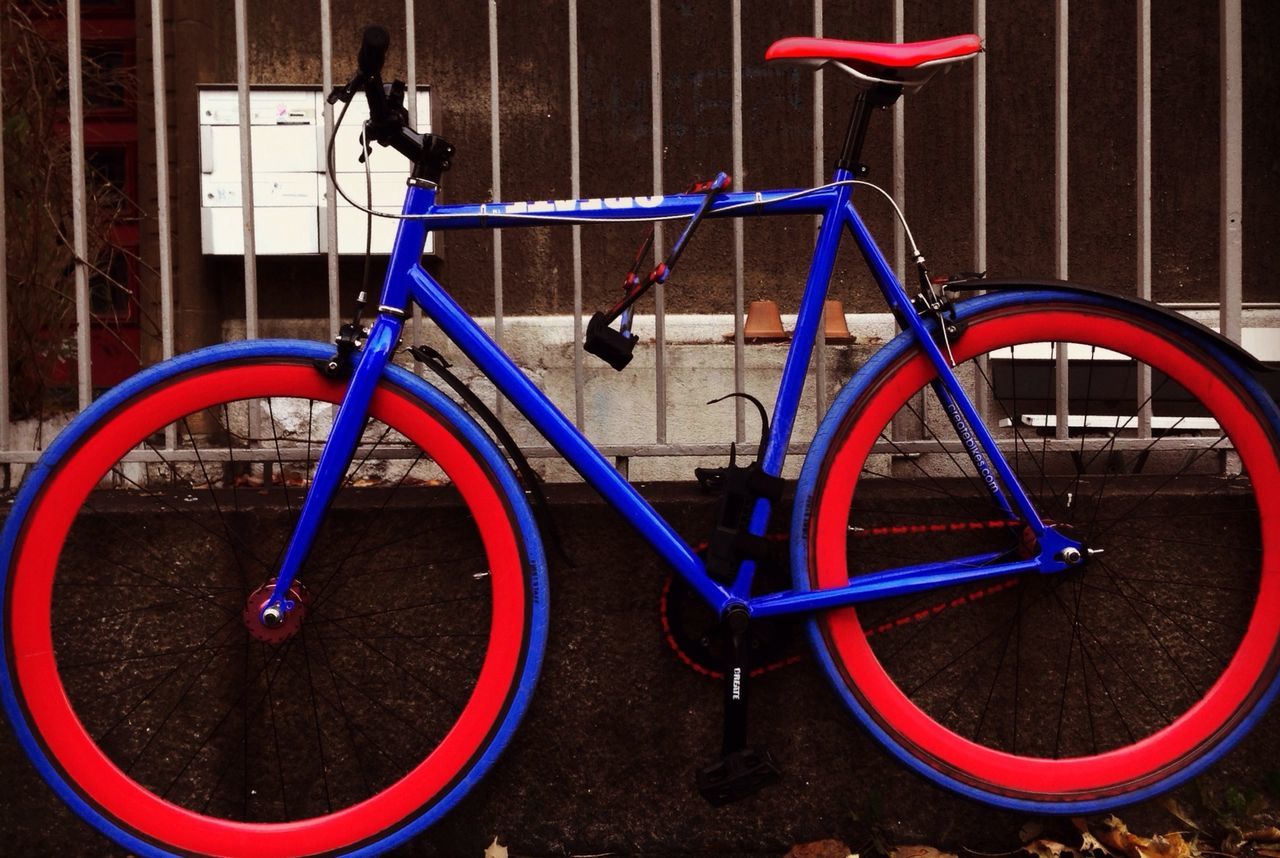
<point>563,435</point>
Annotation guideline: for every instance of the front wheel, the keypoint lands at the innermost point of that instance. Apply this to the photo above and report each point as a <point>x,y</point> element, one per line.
<point>1075,691</point>
<point>137,557</point>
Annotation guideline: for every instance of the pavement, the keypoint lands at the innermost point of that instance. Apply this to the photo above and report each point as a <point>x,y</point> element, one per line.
<point>605,759</point>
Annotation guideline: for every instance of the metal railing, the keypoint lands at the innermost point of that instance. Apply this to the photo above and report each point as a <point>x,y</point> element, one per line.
<point>1231,260</point>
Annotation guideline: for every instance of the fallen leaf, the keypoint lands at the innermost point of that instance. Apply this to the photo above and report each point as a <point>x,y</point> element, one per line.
<point>495,850</point>
<point>1030,831</point>
<point>1089,844</point>
<point>1044,848</point>
<point>1180,813</point>
<point>819,849</point>
<point>1114,836</point>
<point>919,852</point>
<point>1163,846</point>
<point>1263,835</point>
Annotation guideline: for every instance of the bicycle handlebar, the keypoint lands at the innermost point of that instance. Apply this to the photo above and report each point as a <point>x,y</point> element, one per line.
<point>388,120</point>
<point>373,51</point>
<point>368,75</point>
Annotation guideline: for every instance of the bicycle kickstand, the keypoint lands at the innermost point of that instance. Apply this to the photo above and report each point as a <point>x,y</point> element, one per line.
<point>742,771</point>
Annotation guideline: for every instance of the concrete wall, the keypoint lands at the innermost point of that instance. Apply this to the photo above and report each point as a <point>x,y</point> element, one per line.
<point>452,37</point>
<point>619,408</point>
<point>619,411</point>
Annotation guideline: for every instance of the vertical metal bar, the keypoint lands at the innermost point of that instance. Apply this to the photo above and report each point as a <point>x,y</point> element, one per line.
<point>659,292</point>
<point>899,187</point>
<point>1060,204</point>
<point>163,224</point>
<point>411,79</point>
<point>980,143</point>
<point>411,62</point>
<point>162,178</point>
<point>820,358</point>
<point>981,397</point>
<point>246,197</point>
<point>495,166</point>
<point>331,194</point>
<point>739,275</point>
<point>1232,148</point>
<point>575,190</point>
<point>1143,227</point>
<point>246,173</point>
<point>79,240</point>
<point>4,305</point>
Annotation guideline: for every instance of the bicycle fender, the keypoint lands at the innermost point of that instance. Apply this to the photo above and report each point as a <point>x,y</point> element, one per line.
<point>1005,284</point>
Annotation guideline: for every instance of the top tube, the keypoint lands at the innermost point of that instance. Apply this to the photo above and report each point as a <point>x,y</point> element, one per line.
<point>631,208</point>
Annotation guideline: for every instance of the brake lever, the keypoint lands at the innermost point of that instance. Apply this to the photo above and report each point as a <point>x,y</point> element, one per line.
<point>347,92</point>
<point>395,99</point>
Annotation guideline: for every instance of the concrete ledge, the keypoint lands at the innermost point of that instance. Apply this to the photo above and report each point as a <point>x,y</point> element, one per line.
<point>619,408</point>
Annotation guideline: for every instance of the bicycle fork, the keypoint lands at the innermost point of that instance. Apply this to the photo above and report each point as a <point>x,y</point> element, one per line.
<point>348,425</point>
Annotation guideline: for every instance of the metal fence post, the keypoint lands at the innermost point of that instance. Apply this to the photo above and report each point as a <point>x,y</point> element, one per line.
<point>1060,215</point>
<point>79,239</point>
<point>4,304</point>
<point>246,173</point>
<point>163,224</point>
<point>1232,148</point>
<point>495,164</point>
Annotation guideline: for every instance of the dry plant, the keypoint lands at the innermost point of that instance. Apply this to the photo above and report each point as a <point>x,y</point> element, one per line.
<point>38,215</point>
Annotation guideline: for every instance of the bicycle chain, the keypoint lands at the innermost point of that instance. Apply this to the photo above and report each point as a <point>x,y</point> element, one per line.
<point>694,664</point>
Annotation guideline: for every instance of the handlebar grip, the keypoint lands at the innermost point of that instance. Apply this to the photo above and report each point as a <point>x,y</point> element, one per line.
<point>373,51</point>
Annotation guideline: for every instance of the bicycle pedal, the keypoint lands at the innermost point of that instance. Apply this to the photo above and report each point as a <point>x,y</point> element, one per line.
<point>738,775</point>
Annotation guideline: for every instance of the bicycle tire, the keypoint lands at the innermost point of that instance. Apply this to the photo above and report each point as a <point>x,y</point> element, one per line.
<point>131,673</point>
<point>1019,692</point>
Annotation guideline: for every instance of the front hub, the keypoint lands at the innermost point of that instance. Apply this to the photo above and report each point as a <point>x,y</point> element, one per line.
<point>287,625</point>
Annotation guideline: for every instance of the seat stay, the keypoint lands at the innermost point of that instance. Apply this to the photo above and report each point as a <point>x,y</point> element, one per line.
<point>998,475</point>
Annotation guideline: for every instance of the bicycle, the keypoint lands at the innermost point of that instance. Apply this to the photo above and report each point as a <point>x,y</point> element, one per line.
<point>246,679</point>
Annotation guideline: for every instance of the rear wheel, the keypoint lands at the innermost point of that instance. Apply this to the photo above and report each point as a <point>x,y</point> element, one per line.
<point>152,696</point>
<point>1078,690</point>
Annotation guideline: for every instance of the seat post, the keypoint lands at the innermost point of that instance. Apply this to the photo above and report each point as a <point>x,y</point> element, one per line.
<point>879,95</point>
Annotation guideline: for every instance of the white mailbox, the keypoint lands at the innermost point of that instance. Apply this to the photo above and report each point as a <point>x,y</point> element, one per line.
<point>290,191</point>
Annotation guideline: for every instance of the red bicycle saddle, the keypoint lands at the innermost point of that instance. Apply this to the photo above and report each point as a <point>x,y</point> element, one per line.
<point>911,62</point>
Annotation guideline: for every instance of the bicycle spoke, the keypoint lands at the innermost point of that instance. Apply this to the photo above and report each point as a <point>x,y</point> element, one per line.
<point>276,660</point>
<point>418,680</point>
<point>1052,673</point>
<point>315,715</point>
<point>213,496</point>
<point>184,690</point>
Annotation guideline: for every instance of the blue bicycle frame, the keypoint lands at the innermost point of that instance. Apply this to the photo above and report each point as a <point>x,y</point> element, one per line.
<point>407,281</point>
